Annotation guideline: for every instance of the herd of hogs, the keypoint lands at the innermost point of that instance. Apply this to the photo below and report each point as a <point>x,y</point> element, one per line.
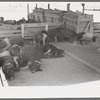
<point>12,57</point>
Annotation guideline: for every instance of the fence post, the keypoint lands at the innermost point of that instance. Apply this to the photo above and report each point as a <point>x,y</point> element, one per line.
<point>22,30</point>
<point>46,27</point>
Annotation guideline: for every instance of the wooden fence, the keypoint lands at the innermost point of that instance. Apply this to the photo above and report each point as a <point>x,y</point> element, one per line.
<point>3,81</point>
<point>96,26</point>
<point>28,30</point>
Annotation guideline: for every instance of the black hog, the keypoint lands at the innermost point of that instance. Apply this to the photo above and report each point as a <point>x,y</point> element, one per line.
<point>22,60</point>
<point>55,34</point>
<point>52,50</point>
<point>8,66</point>
<point>34,66</point>
<point>9,71</point>
<point>87,38</point>
<point>79,37</point>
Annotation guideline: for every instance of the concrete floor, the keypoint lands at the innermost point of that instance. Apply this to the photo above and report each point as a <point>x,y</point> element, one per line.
<point>56,72</point>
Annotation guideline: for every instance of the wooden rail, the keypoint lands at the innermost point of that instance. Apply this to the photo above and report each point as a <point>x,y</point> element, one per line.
<point>3,81</point>
<point>96,26</point>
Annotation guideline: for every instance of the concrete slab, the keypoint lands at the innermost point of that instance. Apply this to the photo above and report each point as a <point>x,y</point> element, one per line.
<point>56,72</point>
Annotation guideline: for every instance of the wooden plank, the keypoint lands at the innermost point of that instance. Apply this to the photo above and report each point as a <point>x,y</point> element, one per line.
<point>75,24</point>
<point>83,23</point>
<point>91,27</point>
<point>81,29</point>
<point>77,29</point>
<point>85,19</point>
<point>69,18</point>
<point>96,31</point>
<point>3,79</point>
<point>22,30</point>
<point>41,24</point>
<point>70,24</point>
<point>96,22</point>
<point>28,30</point>
<point>87,27</point>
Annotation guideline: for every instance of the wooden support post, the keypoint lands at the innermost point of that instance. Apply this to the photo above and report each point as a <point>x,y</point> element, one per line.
<point>48,6</point>
<point>87,27</point>
<point>36,6</point>
<point>78,26</point>
<point>91,27</point>
<point>28,12</point>
<point>68,6</point>
<point>75,25</point>
<point>22,30</point>
<point>46,27</point>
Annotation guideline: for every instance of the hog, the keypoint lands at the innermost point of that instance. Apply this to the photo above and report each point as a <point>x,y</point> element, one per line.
<point>34,66</point>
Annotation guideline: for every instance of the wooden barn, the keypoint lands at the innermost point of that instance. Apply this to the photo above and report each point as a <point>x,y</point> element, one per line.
<point>78,22</point>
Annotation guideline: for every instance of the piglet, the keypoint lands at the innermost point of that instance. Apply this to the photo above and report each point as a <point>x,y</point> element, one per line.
<point>9,71</point>
<point>34,66</point>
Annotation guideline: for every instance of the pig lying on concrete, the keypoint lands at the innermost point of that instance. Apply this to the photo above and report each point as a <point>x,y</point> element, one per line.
<point>52,50</point>
<point>8,65</point>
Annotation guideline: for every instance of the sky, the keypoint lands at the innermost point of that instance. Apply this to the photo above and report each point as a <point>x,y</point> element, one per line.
<point>17,10</point>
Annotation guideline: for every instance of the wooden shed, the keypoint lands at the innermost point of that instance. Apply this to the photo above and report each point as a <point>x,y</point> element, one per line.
<point>78,21</point>
<point>38,15</point>
<point>53,15</point>
<point>47,15</point>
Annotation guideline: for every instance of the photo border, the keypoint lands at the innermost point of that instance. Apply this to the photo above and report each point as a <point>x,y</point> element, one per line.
<point>10,91</point>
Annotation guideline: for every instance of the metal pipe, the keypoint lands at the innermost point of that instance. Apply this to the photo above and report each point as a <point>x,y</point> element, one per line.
<point>48,6</point>
<point>28,11</point>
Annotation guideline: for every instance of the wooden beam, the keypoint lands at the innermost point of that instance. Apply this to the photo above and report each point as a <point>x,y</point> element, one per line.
<point>22,30</point>
<point>96,31</point>
<point>41,24</point>
<point>75,24</point>
<point>3,80</point>
<point>46,27</point>
<point>96,22</point>
<point>70,18</point>
<point>70,24</point>
<point>78,26</point>
<point>91,27</point>
<point>85,19</point>
<point>87,27</point>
